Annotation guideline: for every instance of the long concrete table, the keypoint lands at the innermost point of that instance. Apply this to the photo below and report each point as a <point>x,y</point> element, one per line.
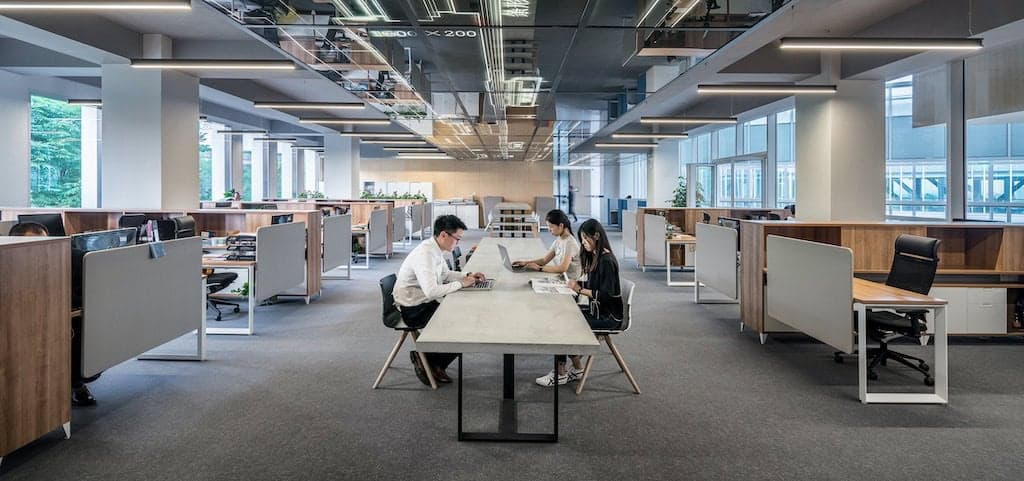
<point>510,319</point>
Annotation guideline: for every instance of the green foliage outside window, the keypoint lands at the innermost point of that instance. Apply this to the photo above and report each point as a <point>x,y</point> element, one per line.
<point>205,168</point>
<point>56,157</point>
<point>679,194</point>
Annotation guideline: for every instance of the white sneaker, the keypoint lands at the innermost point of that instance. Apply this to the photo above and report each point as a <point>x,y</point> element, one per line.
<point>574,374</point>
<point>549,379</point>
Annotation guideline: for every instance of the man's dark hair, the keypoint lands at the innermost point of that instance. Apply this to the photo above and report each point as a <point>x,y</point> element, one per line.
<point>448,223</point>
<point>28,228</point>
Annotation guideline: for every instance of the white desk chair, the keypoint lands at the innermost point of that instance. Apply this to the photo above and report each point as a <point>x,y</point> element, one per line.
<point>626,287</point>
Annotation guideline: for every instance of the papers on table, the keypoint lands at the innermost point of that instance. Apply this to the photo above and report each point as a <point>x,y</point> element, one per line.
<point>548,285</point>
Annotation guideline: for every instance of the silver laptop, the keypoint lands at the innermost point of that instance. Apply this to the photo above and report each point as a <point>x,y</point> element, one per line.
<point>508,260</point>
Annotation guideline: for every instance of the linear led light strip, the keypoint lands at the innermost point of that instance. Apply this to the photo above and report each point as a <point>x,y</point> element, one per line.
<point>687,120</point>
<point>410,149</point>
<point>647,136</point>
<point>382,135</point>
<point>332,120</point>
<point>275,139</point>
<point>766,89</point>
<point>394,142</point>
<point>826,43</point>
<point>242,131</point>
<point>96,5</point>
<point>310,105</point>
<point>209,64</point>
<point>86,102</point>
<point>625,145</point>
<point>686,12</point>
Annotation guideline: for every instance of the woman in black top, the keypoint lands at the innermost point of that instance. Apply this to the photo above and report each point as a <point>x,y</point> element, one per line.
<point>602,290</point>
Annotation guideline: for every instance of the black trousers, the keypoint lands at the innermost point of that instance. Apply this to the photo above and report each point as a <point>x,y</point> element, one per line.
<point>417,317</point>
<point>596,323</point>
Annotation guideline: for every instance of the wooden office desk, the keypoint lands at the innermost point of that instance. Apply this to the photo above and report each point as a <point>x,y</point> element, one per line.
<point>872,295</point>
<point>677,240</point>
<point>250,269</point>
<point>510,319</point>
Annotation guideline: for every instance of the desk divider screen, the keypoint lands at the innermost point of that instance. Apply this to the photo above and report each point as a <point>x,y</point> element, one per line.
<point>399,217</point>
<point>428,215</point>
<point>378,226</point>
<point>629,229</point>
<point>543,205</point>
<point>280,259</point>
<point>337,241</point>
<point>5,226</point>
<point>132,303</point>
<point>654,240</point>
<point>417,218</point>
<point>810,288</point>
<point>716,259</point>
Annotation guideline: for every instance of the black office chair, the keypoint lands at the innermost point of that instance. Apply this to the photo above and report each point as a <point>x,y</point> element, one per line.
<point>913,269</point>
<point>456,256</point>
<point>707,218</point>
<point>774,216</point>
<point>137,221</point>
<point>216,282</point>
<point>184,226</point>
<point>392,319</point>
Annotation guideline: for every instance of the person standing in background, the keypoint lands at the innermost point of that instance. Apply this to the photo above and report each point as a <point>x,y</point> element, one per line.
<point>572,203</point>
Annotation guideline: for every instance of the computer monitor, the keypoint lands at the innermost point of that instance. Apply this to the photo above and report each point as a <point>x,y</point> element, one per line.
<point>281,219</point>
<point>82,244</point>
<point>184,226</point>
<point>53,222</point>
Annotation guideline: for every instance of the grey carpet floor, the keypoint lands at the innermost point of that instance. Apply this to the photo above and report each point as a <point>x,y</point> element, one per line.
<point>294,402</point>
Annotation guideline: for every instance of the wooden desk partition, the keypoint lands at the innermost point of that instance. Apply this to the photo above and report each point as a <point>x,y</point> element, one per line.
<point>686,219</point>
<point>35,339</point>
<point>970,254</point>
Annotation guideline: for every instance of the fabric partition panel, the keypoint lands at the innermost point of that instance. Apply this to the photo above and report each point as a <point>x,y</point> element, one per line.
<point>280,258</point>
<point>416,211</point>
<point>543,205</point>
<point>337,241</point>
<point>400,215</point>
<point>5,226</point>
<point>716,262</point>
<point>810,288</point>
<point>490,202</point>
<point>654,240</point>
<point>132,303</point>
<point>378,232</point>
<point>629,229</point>
<point>428,215</point>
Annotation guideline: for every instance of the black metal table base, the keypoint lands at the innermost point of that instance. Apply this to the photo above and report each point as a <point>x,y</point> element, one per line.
<point>508,421</point>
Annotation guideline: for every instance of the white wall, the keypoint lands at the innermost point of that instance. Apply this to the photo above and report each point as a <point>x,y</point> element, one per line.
<point>663,173</point>
<point>341,167</point>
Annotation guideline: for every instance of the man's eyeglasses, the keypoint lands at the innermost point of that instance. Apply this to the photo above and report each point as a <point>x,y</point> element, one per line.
<point>457,239</point>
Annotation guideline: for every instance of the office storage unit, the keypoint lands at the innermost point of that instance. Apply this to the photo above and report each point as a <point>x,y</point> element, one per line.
<point>513,220</point>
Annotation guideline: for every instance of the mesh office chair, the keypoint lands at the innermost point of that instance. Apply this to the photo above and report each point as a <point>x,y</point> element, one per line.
<point>137,221</point>
<point>913,269</point>
<point>626,288</point>
<point>216,282</point>
<point>392,319</point>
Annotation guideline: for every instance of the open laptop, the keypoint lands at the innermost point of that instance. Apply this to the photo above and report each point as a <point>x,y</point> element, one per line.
<point>508,260</point>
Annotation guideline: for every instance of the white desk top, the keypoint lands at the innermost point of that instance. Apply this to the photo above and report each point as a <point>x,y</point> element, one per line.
<point>511,318</point>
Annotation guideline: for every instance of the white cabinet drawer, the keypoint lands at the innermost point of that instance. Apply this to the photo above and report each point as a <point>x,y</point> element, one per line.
<point>986,318</point>
<point>956,310</point>
<point>986,295</point>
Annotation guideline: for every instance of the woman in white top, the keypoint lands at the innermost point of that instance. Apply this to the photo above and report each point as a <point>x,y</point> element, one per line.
<point>564,255</point>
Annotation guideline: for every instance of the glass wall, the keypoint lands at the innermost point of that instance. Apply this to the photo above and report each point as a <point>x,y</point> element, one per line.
<point>755,136</point>
<point>915,145</point>
<point>726,142</point>
<point>785,158</point>
<point>213,153</point>
<point>56,153</point>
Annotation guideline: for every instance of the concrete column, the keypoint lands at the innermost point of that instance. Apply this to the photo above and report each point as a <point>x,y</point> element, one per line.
<point>237,148</point>
<point>91,124</point>
<point>287,155</point>
<point>341,167</point>
<point>220,152</point>
<point>840,153</point>
<point>150,139</point>
<point>15,115</point>
<point>256,163</point>
<point>270,180</point>
<point>663,173</point>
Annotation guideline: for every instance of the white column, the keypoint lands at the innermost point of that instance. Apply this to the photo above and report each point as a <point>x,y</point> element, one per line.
<point>341,167</point>
<point>287,170</point>
<point>256,163</point>
<point>235,167</point>
<point>220,150</point>
<point>90,156</point>
<point>840,153</point>
<point>663,173</point>
<point>15,118</point>
<point>309,169</point>
<point>270,170</point>
<point>150,139</point>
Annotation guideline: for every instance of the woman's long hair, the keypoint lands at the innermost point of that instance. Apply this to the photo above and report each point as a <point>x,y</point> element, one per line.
<point>557,217</point>
<point>593,229</point>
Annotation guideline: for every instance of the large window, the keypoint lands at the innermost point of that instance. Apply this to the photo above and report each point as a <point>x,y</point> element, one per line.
<point>56,156</point>
<point>755,136</point>
<point>726,142</point>
<point>785,158</point>
<point>915,145</point>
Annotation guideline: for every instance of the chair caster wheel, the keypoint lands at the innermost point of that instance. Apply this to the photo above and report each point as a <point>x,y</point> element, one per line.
<point>838,358</point>
<point>923,366</point>
<point>872,375</point>
<point>237,310</point>
<point>928,381</point>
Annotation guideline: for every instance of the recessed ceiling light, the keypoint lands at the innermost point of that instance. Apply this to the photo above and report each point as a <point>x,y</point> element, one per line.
<point>86,102</point>
<point>625,135</point>
<point>382,135</point>
<point>625,145</point>
<point>310,105</point>
<point>766,89</point>
<point>212,64</point>
<point>394,142</point>
<point>96,5</point>
<point>687,120</point>
<point>333,120</point>
<point>826,43</point>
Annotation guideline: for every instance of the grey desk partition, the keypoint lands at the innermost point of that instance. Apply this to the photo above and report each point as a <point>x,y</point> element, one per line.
<point>416,211</point>
<point>490,202</point>
<point>543,205</point>
<point>716,264</point>
<point>428,217</point>
<point>5,226</point>
<point>399,217</point>
<point>280,259</point>
<point>337,239</point>
<point>810,288</point>
<point>132,303</point>
<point>628,231</point>
<point>378,226</point>
<point>654,240</point>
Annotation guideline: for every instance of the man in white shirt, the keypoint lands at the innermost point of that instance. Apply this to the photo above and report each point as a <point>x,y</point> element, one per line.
<point>423,280</point>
